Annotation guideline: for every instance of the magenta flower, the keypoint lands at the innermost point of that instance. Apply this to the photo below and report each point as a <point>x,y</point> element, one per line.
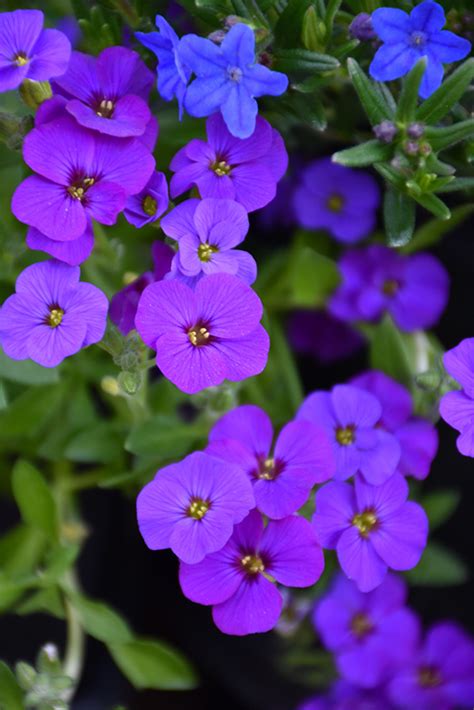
<point>338,199</point>
<point>350,416</point>
<point>457,408</point>
<point>81,175</point>
<point>207,232</point>
<point>370,634</point>
<point>345,696</point>
<point>323,336</point>
<point>27,51</point>
<point>245,170</point>
<point>72,252</point>
<point>235,580</point>
<point>109,93</point>
<point>52,315</point>
<point>282,478</point>
<point>417,437</point>
<point>413,289</point>
<point>148,205</point>
<point>440,675</point>
<point>192,506</point>
<point>123,306</point>
<point>372,528</point>
<point>205,336</point>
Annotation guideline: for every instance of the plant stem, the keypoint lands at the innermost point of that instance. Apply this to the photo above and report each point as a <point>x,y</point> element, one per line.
<point>75,647</point>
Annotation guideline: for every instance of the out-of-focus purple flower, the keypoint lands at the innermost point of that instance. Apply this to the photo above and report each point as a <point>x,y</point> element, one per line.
<point>339,199</point>
<point>417,437</point>
<point>345,696</point>
<point>408,38</point>
<point>282,478</point>
<point>372,528</point>
<point>108,93</point>
<point>457,408</point>
<point>52,315</point>
<point>70,27</point>
<point>81,175</point>
<point>361,27</point>
<point>72,252</point>
<point>173,75</point>
<point>413,289</point>
<point>123,306</point>
<point>27,51</point>
<point>192,506</point>
<point>235,580</point>
<point>350,415</point>
<point>245,170</point>
<point>323,336</point>
<point>205,336</point>
<point>207,232</point>
<point>371,634</point>
<point>279,214</point>
<point>148,205</point>
<point>228,79</point>
<point>440,675</point>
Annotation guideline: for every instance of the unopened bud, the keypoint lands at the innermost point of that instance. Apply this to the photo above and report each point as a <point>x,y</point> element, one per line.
<point>130,382</point>
<point>385,131</point>
<point>411,147</point>
<point>34,93</point>
<point>26,675</point>
<point>217,37</point>
<point>415,130</point>
<point>361,28</point>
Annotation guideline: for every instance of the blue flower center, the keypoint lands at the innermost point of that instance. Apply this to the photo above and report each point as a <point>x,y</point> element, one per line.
<point>361,625</point>
<point>105,108</point>
<point>149,206</point>
<point>234,74</point>
<point>21,59</point>
<point>429,677</point>
<point>205,252</point>
<point>55,316</point>
<point>252,564</point>
<point>198,508</point>
<point>345,436</point>
<point>199,335</point>
<point>365,522</point>
<point>78,188</point>
<point>269,468</point>
<point>418,39</point>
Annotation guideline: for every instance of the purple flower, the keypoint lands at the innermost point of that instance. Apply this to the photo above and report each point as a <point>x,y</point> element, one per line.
<point>81,175</point>
<point>123,306</point>
<point>350,415</point>
<point>173,75</point>
<point>370,634</point>
<point>70,27</point>
<point>246,171</point>
<point>417,437</point>
<point>282,478</point>
<point>344,696</point>
<point>372,528</point>
<point>205,336</point>
<point>52,315</point>
<point>412,289</point>
<point>326,338</point>
<point>408,38</point>
<point>457,408</point>
<point>235,581</point>
<point>192,506</point>
<point>148,205</point>
<point>108,93</point>
<point>228,79</point>
<point>338,199</point>
<point>206,231</point>
<point>361,28</point>
<point>72,252</point>
<point>440,675</point>
<point>27,51</point>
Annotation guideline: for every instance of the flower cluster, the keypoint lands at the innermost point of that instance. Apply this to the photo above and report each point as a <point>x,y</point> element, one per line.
<point>457,408</point>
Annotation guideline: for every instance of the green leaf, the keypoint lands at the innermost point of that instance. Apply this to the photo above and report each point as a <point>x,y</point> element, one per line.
<point>3,396</point>
<point>26,371</point>
<point>365,154</point>
<point>99,620</point>
<point>100,443</point>
<point>46,601</point>
<point>21,550</point>
<point>451,90</point>
<point>152,664</point>
<point>408,101</point>
<point>29,414</point>
<point>399,216</point>
<point>439,567</point>
<point>431,232</point>
<point>439,506</point>
<point>388,352</point>
<point>287,366</point>
<point>458,184</point>
<point>371,98</point>
<point>11,696</point>
<point>434,205</point>
<point>12,589</point>
<point>288,28</point>
<point>34,498</point>
<point>442,138</point>
<point>165,437</point>
<point>303,61</point>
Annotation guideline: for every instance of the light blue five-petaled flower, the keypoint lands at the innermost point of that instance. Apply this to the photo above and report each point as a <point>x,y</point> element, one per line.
<point>228,79</point>
<point>407,38</point>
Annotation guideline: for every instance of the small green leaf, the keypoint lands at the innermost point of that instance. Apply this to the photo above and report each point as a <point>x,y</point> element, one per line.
<point>371,98</point>
<point>431,232</point>
<point>287,366</point>
<point>21,550</point>
<point>365,154</point>
<point>303,61</point>
<point>47,601</point>
<point>29,414</point>
<point>451,90</point>
<point>408,101</point>
<point>288,28</point>
<point>11,696</point>
<point>458,184</point>
<point>389,354</point>
<point>34,498</point>
<point>442,138</point>
<point>100,443</point>
<point>439,506</point>
<point>399,216</point>
<point>152,664</point>
<point>26,372</point>
<point>165,437</point>
<point>439,567</point>
<point>434,205</point>
<point>99,620</point>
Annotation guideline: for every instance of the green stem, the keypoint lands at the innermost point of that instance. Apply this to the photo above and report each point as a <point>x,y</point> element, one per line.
<point>75,647</point>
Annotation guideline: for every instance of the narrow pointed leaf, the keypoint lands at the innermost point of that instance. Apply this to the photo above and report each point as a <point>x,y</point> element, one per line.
<point>374,103</point>
<point>399,216</point>
<point>442,138</point>
<point>365,154</point>
<point>434,205</point>
<point>408,101</point>
<point>451,90</point>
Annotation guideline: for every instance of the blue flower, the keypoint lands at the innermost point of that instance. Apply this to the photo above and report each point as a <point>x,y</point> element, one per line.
<point>172,75</point>
<point>407,38</point>
<point>228,79</point>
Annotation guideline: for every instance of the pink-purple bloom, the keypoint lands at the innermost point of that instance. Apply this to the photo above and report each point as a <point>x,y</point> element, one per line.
<point>192,506</point>
<point>282,475</point>
<point>148,205</point>
<point>370,634</point>
<point>235,581</point>
<point>108,93</point>
<point>413,289</point>
<point>207,232</point>
<point>345,696</point>
<point>52,315</point>
<point>27,51</point>
<point>80,175</point>
<point>457,408</point>
<point>72,252</point>
<point>372,528</point>
<point>341,200</point>
<point>205,336</point>
<point>323,336</point>
<point>245,170</point>
<point>350,416</point>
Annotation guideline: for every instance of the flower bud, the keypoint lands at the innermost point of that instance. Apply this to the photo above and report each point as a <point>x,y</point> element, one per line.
<point>34,93</point>
<point>361,28</point>
<point>385,131</point>
<point>411,147</point>
<point>415,130</point>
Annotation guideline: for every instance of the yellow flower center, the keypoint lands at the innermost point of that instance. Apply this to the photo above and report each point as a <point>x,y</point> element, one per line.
<point>335,203</point>
<point>79,189</point>
<point>21,59</point>
<point>199,336</point>
<point>345,435</point>
<point>150,206</point>
<point>365,522</point>
<point>106,108</point>
<point>361,625</point>
<point>390,287</point>
<point>55,316</point>
<point>429,677</point>
<point>198,508</point>
<point>205,251</point>
<point>267,470</point>
<point>252,564</point>
<point>221,168</point>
